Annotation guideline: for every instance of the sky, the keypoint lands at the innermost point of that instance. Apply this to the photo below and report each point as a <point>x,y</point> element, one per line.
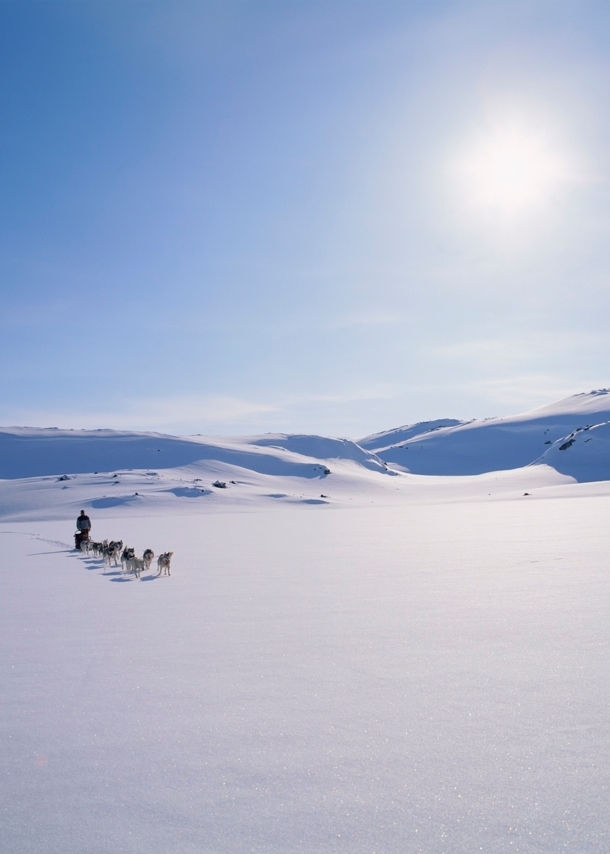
<point>331,217</point>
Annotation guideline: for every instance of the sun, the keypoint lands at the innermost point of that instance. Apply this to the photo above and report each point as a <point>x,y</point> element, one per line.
<point>511,170</point>
<point>508,171</point>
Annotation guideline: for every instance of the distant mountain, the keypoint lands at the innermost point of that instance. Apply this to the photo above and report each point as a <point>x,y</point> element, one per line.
<point>494,444</point>
<point>32,452</point>
<point>402,434</point>
<point>583,454</point>
<point>320,448</point>
<point>572,436</point>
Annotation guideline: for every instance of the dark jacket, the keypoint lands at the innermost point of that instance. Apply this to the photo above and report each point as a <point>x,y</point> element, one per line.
<point>83,523</point>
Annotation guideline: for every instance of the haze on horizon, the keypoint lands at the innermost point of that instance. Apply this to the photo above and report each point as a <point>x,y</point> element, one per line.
<point>331,217</point>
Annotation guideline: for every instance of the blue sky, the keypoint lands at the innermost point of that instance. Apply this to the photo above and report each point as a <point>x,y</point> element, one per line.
<point>332,217</point>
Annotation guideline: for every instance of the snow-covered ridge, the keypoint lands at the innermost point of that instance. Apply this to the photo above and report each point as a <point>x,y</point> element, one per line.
<point>321,448</point>
<point>583,454</point>
<point>495,444</point>
<point>440,447</point>
<point>388,438</point>
<point>32,452</point>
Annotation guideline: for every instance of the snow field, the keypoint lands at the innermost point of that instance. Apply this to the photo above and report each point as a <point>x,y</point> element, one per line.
<point>393,678</point>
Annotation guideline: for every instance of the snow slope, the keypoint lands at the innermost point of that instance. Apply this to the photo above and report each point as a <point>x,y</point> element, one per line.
<point>27,452</point>
<point>388,438</point>
<point>345,659</point>
<point>583,454</point>
<point>322,448</point>
<point>496,443</point>
<point>408,677</point>
<point>445,447</point>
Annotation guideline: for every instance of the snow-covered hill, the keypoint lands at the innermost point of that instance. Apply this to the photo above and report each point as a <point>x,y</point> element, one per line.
<point>345,659</point>
<point>31,452</point>
<point>495,444</point>
<point>584,454</point>
<point>445,447</point>
<point>53,473</point>
<point>388,438</point>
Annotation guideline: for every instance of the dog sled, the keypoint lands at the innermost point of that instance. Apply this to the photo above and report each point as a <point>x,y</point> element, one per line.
<point>80,537</point>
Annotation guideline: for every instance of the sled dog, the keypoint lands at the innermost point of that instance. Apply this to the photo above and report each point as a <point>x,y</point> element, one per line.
<point>163,563</point>
<point>126,556</point>
<point>136,565</point>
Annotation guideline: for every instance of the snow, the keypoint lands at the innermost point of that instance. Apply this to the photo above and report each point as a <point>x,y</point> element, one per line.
<point>410,663</point>
<point>25,452</point>
<point>402,434</point>
<point>491,444</point>
<point>583,454</point>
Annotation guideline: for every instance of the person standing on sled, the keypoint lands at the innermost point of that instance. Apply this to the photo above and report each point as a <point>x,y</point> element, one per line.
<point>83,527</point>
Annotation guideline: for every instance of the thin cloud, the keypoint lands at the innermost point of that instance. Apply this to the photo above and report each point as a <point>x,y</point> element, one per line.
<point>374,318</point>
<point>527,391</point>
<point>522,348</point>
<point>384,391</point>
<point>198,414</point>
<point>155,414</point>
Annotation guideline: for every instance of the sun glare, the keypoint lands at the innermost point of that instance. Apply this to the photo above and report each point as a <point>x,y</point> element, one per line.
<point>509,171</point>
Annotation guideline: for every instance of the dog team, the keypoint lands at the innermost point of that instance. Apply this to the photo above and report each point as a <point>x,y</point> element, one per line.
<point>113,551</point>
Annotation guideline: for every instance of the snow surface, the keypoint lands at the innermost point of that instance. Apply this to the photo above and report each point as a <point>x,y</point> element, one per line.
<point>401,434</point>
<point>492,444</point>
<point>25,452</point>
<point>357,661</point>
<point>584,453</point>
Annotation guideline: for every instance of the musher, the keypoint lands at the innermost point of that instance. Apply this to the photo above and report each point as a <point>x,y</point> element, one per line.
<point>83,527</point>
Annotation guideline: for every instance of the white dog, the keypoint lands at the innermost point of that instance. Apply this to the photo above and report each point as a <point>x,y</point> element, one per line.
<point>163,563</point>
<point>136,565</point>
